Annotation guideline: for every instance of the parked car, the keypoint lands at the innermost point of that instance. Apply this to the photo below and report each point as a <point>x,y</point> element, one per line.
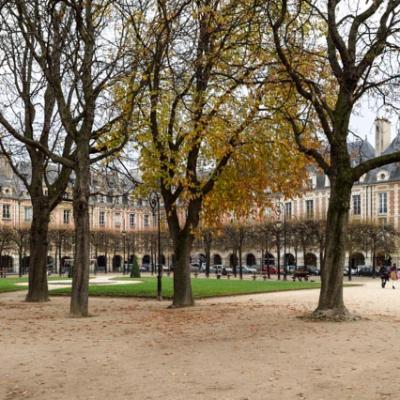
<point>194,268</point>
<point>216,268</point>
<point>366,271</point>
<point>247,270</point>
<point>272,269</point>
<point>227,270</point>
<point>291,268</point>
<point>353,271</point>
<point>313,270</point>
<point>145,267</point>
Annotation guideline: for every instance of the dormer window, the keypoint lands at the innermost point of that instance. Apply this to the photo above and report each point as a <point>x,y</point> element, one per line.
<point>312,182</point>
<point>382,176</point>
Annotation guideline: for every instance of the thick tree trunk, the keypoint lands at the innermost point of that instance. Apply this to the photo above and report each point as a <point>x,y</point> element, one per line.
<point>38,289</point>
<point>331,305</point>
<point>183,296</point>
<point>80,275</point>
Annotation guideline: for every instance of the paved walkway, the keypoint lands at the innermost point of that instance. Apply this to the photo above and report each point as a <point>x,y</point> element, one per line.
<point>97,280</point>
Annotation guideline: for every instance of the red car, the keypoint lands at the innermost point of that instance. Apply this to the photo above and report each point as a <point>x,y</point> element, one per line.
<point>272,269</point>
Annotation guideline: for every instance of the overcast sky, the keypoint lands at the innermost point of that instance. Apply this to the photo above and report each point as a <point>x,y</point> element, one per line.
<point>362,121</point>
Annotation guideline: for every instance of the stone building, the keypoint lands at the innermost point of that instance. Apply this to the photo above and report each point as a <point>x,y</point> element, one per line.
<point>113,213</point>
<point>128,224</point>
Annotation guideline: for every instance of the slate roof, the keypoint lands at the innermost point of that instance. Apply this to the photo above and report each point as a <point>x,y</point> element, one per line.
<point>362,150</point>
<point>114,183</point>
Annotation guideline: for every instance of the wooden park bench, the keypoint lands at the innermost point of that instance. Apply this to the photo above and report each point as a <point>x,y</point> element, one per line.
<point>300,275</point>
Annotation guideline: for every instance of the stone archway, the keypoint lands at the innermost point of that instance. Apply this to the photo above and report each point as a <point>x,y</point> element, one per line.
<point>251,259</point>
<point>233,260</point>
<point>356,260</point>
<point>217,259</point>
<point>101,263</point>
<point>162,259</point>
<point>25,264</point>
<point>289,259</point>
<point>269,259</point>
<point>146,259</point>
<point>50,264</point>
<point>310,260</point>
<point>380,259</point>
<point>116,262</point>
<point>7,262</point>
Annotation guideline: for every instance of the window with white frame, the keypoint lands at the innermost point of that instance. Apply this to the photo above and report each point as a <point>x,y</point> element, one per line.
<point>102,218</point>
<point>28,214</point>
<point>356,204</point>
<point>67,217</point>
<point>288,210</point>
<point>6,211</point>
<point>382,206</point>
<point>132,220</point>
<point>117,220</point>
<point>146,220</point>
<point>309,208</point>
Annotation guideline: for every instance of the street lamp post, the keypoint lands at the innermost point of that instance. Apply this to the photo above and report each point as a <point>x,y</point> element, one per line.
<point>124,251</point>
<point>154,201</point>
<point>282,210</point>
<point>278,247</point>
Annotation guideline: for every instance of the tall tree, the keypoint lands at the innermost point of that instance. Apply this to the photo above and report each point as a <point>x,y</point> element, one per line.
<point>356,59</point>
<point>70,42</point>
<point>205,101</point>
<point>29,112</point>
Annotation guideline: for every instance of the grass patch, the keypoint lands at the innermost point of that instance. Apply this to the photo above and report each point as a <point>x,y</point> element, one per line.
<point>202,288</point>
<point>9,284</point>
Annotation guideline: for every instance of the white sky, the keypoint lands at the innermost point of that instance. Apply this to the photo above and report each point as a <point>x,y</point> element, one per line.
<point>362,121</point>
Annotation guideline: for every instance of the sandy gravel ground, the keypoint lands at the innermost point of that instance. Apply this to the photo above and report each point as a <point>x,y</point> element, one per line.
<point>243,348</point>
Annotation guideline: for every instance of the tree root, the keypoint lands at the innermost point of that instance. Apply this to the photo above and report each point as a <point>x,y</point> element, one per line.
<point>332,315</point>
<point>174,306</point>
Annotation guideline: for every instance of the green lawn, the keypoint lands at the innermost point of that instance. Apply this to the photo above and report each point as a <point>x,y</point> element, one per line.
<point>9,284</point>
<point>202,288</point>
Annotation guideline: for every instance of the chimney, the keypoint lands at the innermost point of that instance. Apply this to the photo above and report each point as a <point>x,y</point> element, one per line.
<point>382,135</point>
<point>5,168</point>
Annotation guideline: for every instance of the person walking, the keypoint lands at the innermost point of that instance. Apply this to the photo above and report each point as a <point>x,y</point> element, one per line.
<point>383,272</point>
<point>393,275</point>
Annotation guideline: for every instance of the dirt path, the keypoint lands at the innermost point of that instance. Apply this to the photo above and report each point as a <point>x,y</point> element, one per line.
<point>248,347</point>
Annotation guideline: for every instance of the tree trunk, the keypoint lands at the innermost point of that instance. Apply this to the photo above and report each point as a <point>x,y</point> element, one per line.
<point>208,261</point>
<point>105,257</point>
<point>38,289</point>
<point>20,260</point>
<point>80,275</point>
<point>331,305</point>
<point>321,256</point>
<point>183,296</point>
<point>278,255</point>
<point>350,250</point>
<point>240,262</point>
<point>60,243</point>
<point>235,260</point>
